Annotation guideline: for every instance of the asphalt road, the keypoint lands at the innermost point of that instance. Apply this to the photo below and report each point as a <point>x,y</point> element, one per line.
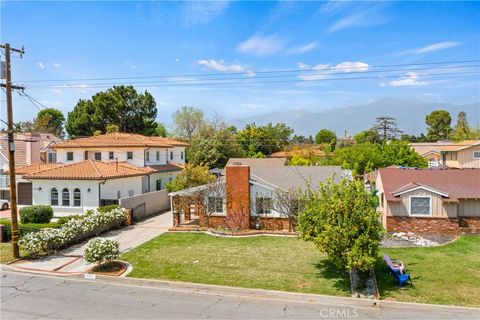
<point>25,296</point>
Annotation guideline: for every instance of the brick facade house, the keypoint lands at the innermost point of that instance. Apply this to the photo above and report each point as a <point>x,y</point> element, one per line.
<point>246,196</point>
<point>429,201</point>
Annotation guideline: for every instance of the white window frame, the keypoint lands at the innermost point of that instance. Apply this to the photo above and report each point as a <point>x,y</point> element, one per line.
<point>80,199</point>
<point>476,157</point>
<point>158,156</point>
<point>70,153</point>
<point>111,155</point>
<point>257,211</point>
<point>218,213</point>
<point>147,156</point>
<point>128,155</point>
<point>69,197</point>
<point>419,215</point>
<point>95,154</point>
<point>51,198</point>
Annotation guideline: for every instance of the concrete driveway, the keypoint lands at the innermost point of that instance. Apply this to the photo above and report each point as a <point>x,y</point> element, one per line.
<point>70,260</point>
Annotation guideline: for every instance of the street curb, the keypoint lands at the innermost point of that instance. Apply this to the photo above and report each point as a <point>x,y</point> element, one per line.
<point>194,288</point>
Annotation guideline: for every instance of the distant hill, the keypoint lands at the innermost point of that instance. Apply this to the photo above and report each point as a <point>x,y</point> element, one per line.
<point>410,115</point>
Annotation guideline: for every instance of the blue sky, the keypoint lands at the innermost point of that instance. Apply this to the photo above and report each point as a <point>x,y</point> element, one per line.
<point>322,40</point>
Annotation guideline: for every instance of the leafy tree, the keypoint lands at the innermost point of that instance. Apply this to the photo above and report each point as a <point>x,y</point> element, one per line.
<point>24,126</point>
<point>187,122</point>
<point>111,128</point>
<point>161,130</point>
<point>50,120</point>
<point>369,135</point>
<point>438,123</point>
<point>264,140</point>
<point>121,105</point>
<point>299,139</point>
<point>413,138</point>
<point>366,157</point>
<point>386,127</point>
<point>342,221</point>
<point>191,176</point>
<point>324,136</point>
<point>462,130</point>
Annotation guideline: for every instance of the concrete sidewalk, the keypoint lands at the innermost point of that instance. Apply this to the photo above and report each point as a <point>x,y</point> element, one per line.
<point>70,261</point>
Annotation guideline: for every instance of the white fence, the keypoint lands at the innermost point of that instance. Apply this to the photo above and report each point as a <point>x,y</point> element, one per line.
<point>144,205</point>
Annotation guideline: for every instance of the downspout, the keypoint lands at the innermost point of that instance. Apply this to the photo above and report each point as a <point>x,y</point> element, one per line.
<point>99,192</point>
<point>145,164</point>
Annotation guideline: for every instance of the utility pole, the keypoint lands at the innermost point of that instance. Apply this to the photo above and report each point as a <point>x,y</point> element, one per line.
<point>11,147</point>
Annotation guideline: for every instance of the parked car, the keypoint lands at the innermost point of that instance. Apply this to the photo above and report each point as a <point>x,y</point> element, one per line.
<point>4,204</point>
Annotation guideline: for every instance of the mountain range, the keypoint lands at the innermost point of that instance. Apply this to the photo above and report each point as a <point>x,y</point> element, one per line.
<point>410,115</point>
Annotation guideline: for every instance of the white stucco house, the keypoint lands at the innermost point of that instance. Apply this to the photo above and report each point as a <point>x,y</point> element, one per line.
<point>96,171</point>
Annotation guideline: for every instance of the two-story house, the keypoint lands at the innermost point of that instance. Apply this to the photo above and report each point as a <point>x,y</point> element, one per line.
<point>464,154</point>
<point>99,170</point>
<point>30,148</point>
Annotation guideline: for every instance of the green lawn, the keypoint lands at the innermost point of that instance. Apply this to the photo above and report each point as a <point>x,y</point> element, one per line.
<point>449,274</point>
<point>6,254</point>
<point>276,263</point>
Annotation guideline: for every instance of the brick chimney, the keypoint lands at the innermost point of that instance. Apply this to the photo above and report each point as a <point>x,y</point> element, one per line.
<point>33,147</point>
<point>238,196</point>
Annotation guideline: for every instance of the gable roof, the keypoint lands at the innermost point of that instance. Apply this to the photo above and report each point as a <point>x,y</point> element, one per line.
<point>258,162</point>
<point>20,151</point>
<point>90,170</point>
<point>120,139</point>
<point>288,177</point>
<point>455,183</point>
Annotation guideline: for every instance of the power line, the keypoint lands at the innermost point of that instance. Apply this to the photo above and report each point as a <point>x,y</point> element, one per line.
<point>318,73</point>
<point>156,84</point>
<point>256,72</point>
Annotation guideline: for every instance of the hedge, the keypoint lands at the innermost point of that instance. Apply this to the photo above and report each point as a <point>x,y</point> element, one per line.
<point>26,228</point>
<point>91,224</point>
<point>36,214</point>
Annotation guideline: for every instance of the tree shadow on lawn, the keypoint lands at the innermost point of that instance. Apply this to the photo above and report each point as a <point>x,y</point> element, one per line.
<point>327,270</point>
<point>387,285</point>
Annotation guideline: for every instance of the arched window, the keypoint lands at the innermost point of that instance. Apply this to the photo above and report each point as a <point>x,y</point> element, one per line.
<point>77,198</point>
<point>65,197</point>
<point>54,197</point>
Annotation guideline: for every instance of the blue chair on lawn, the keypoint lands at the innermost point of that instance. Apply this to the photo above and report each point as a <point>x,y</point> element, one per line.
<point>399,277</point>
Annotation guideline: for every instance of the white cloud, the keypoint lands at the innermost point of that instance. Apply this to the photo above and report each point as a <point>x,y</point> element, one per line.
<point>40,65</point>
<point>177,60</point>
<point>132,66</point>
<point>363,15</point>
<point>221,66</point>
<point>410,79</point>
<point>323,71</point>
<point>55,90</point>
<point>261,46</point>
<point>56,65</point>
<point>332,6</point>
<point>350,66</point>
<point>302,65</point>
<point>432,48</point>
<point>303,49</point>
<point>198,12</point>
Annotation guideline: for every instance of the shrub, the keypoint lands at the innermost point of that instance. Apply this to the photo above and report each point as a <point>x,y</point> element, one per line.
<point>107,208</point>
<point>100,250</point>
<point>94,222</point>
<point>341,219</point>
<point>36,214</point>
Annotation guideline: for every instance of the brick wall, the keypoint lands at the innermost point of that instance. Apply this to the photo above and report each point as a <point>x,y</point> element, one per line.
<point>469,224</point>
<point>270,223</point>
<point>423,225</point>
<point>238,196</point>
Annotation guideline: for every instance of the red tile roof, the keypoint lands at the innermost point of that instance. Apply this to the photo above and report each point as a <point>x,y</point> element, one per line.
<point>165,168</point>
<point>90,170</point>
<point>120,139</point>
<point>36,167</point>
<point>458,183</point>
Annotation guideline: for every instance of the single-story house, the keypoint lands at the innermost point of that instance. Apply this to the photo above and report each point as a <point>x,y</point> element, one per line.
<point>429,200</point>
<point>248,196</point>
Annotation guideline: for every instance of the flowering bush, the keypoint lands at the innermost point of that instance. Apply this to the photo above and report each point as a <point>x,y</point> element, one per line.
<point>99,250</point>
<point>41,243</point>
